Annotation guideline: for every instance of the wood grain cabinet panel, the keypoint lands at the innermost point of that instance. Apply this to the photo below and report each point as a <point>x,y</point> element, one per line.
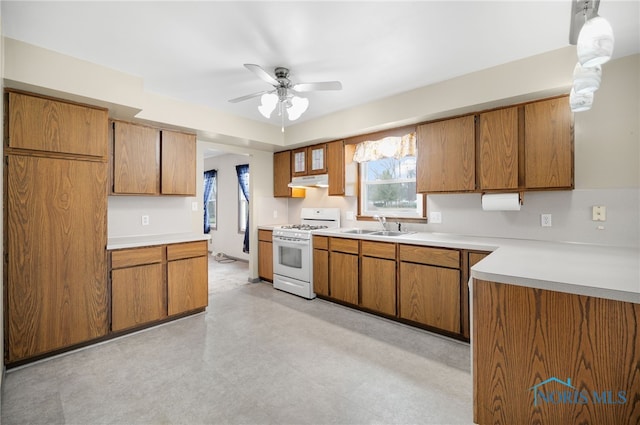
<point>336,168</point>
<point>321,272</point>
<point>282,175</point>
<point>446,156</point>
<point>430,295</point>
<point>265,254</point>
<point>548,144</point>
<point>56,234</point>
<point>344,245</point>
<point>378,285</point>
<point>43,124</point>
<point>498,149</point>
<point>136,159</point>
<point>137,256</point>
<point>137,296</point>
<point>525,336</point>
<point>429,255</point>
<point>187,284</point>
<point>343,280</point>
<point>178,251</point>
<point>178,170</point>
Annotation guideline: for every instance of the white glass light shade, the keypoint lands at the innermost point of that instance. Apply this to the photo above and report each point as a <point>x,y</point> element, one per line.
<point>595,42</point>
<point>297,108</point>
<point>586,79</point>
<point>269,101</point>
<point>580,102</point>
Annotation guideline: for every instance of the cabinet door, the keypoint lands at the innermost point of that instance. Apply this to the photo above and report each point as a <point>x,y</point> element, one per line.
<point>178,175</point>
<point>430,295</point>
<point>378,290</point>
<point>137,296</point>
<point>498,149</point>
<point>344,277</point>
<point>43,124</point>
<point>281,174</point>
<point>548,144</point>
<point>187,282</point>
<point>317,159</point>
<point>321,272</point>
<point>56,234</point>
<point>265,260</point>
<point>299,162</point>
<point>136,157</point>
<point>335,168</point>
<point>446,156</point>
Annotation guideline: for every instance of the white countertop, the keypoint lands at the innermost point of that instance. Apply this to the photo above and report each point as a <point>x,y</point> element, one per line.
<point>582,269</point>
<point>150,240</point>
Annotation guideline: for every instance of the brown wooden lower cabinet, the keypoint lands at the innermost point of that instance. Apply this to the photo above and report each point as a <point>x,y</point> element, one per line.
<point>137,296</point>
<point>548,357</point>
<point>430,295</point>
<point>265,255</point>
<point>378,276</point>
<point>187,277</point>
<point>343,277</point>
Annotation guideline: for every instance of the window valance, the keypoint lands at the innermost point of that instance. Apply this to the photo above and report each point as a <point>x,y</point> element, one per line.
<point>389,147</point>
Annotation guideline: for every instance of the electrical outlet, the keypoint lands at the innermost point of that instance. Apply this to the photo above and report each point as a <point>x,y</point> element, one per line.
<point>435,217</point>
<point>599,213</point>
<point>145,220</point>
<point>545,220</point>
<point>194,206</point>
<point>275,213</point>
<point>350,215</point>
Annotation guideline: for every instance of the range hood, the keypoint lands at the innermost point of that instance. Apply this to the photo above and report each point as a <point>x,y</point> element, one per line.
<point>319,180</point>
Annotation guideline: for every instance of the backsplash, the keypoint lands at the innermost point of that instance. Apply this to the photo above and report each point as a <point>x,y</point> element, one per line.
<point>166,214</point>
<point>462,214</point>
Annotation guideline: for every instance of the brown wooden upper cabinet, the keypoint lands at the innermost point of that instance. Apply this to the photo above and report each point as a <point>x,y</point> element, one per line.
<point>336,168</point>
<point>150,161</point>
<point>446,156</point>
<point>498,149</point>
<point>548,144</point>
<point>43,124</point>
<point>309,160</point>
<point>178,153</point>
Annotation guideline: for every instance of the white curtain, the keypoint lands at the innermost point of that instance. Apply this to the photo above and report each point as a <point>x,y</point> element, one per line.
<point>389,147</point>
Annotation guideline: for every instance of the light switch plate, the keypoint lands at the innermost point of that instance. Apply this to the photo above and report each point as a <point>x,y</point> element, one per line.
<point>194,206</point>
<point>545,220</point>
<point>435,217</point>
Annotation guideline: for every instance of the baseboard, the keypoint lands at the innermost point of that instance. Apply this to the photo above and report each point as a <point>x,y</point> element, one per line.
<point>254,280</point>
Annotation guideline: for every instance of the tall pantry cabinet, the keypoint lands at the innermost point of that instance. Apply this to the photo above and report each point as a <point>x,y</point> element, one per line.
<point>55,202</point>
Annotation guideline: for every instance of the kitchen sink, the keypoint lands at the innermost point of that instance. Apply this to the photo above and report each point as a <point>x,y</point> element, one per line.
<point>359,231</point>
<point>390,233</point>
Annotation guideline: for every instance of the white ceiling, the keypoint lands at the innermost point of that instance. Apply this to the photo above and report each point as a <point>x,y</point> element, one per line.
<point>195,51</point>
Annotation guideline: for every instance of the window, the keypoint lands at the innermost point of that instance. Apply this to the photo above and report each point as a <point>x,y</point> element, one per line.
<point>243,211</point>
<point>388,188</point>
<point>210,201</point>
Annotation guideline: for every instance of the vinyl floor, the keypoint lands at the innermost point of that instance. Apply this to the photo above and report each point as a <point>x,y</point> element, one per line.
<point>256,356</point>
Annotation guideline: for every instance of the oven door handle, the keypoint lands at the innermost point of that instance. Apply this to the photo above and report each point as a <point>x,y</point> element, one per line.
<point>297,242</point>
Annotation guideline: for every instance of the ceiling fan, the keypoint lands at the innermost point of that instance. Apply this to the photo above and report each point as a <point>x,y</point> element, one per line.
<point>284,92</point>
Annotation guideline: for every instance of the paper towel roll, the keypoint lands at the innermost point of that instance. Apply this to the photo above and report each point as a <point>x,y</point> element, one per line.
<point>501,202</point>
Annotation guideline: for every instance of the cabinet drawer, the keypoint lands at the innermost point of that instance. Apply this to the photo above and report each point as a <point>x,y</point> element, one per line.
<point>378,249</point>
<point>186,250</point>
<point>265,235</point>
<point>321,242</point>
<point>344,245</point>
<point>427,255</point>
<point>136,256</point>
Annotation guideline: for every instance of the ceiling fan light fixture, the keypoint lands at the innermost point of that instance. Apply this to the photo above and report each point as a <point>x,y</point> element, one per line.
<point>586,79</point>
<point>298,106</point>
<point>595,42</point>
<point>268,104</point>
<point>580,102</point>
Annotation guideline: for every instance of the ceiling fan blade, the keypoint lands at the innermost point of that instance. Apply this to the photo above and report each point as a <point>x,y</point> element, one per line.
<point>325,85</point>
<point>249,96</point>
<point>261,73</point>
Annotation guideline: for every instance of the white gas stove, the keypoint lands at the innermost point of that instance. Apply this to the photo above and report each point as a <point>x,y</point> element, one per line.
<point>292,250</point>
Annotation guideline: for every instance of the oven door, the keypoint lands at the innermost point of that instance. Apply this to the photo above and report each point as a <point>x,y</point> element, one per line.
<point>291,258</point>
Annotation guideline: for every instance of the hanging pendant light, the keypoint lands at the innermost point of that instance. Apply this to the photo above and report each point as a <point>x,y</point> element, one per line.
<point>268,104</point>
<point>586,79</point>
<point>297,108</point>
<point>595,42</point>
<point>580,102</point>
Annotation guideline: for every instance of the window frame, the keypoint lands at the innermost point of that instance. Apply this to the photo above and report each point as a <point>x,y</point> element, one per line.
<point>362,213</point>
<point>213,213</point>
<point>242,220</point>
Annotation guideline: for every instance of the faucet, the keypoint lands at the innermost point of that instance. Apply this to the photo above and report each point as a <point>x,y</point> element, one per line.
<point>399,226</point>
<point>382,220</point>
